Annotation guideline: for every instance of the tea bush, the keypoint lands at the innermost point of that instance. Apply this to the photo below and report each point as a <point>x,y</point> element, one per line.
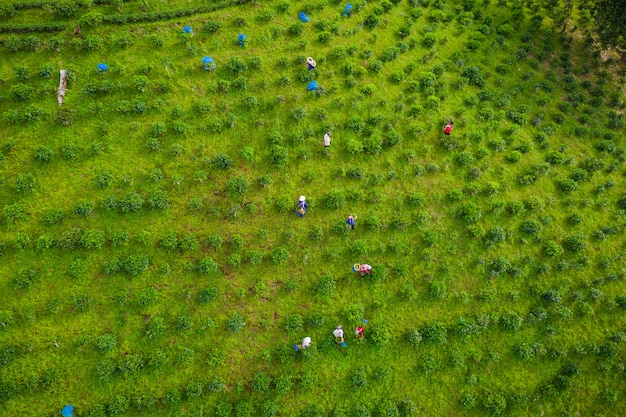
<point>106,342</point>
<point>25,279</point>
<point>207,295</point>
<point>148,296</point>
<point>43,153</point>
<point>183,323</point>
<point>326,285</point>
<point>575,243</point>
<point>92,239</point>
<point>155,327</point>
<point>208,266</point>
<point>78,268</point>
<point>279,255</point>
<point>279,156</point>
<point>194,389</point>
<point>14,213</point>
<point>261,382</point>
<point>189,242</point>
<point>25,183</point>
<point>131,203</point>
<point>511,321</point>
<point>434,333</point>
<point>170,240</point>
<point>135,264</point>
<point>237,186</point>
<point>236,322</point>
<point>495,403</point>
<point>214,240</point>
<point>469,213</point>
<point>84,207</point>
<point>380,334</point>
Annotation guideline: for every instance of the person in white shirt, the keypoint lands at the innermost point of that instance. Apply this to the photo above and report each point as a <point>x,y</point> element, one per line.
<point>327,140</point>
<point>338,333</point>
<point>306,342</point>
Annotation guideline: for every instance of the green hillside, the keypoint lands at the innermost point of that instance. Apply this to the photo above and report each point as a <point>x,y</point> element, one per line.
<point>152,262</point>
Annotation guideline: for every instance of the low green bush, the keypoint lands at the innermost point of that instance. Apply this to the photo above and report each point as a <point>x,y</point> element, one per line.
<point>135,264</point>
<point>236,322</point>
<point>92,239</point>
<point>25,279</point>
<point>84,207</point>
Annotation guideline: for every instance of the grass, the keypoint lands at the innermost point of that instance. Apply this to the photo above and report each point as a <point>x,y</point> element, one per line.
<point>440,219</point>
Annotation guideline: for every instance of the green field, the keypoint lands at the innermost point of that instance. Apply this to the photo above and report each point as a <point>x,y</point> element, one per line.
<point>151,259</point>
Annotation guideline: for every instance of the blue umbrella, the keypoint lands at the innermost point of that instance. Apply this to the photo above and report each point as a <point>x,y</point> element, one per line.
<point>187,29</point>
<point>241,38</point>
<point>103,67</point>
<point>347,11</point>
<point>303,17</point>
<point>312,86</point>
<point>208,62</point>
<point>68,411</point>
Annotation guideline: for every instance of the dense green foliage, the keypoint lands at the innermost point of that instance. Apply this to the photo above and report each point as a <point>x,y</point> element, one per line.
<point>151,262</point>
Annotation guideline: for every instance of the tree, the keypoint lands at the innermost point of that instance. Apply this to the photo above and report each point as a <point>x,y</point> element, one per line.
<point>559,11</point>
<point>567,12</point>
<point>610,22</point>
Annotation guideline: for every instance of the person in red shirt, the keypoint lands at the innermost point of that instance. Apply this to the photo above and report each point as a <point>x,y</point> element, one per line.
<point>359,332</point>
<point>448,129</point>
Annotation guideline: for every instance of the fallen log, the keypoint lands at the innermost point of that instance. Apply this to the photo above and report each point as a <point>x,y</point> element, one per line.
<point>62,86</point>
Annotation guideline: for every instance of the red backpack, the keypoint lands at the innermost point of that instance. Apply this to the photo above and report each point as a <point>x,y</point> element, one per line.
<point>448,129</point>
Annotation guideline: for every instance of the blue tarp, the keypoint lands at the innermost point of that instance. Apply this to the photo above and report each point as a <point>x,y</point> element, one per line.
<point>68,411</point>
<point>103,67</point>
<point>241,39</point>
<point>347,11</point>
<point>312,86</point>
<point>303,17</point>
<point>187,29</point>
<point>208,63</point>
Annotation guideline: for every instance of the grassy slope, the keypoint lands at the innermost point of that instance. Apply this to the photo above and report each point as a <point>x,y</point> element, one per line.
<point>455,258</point>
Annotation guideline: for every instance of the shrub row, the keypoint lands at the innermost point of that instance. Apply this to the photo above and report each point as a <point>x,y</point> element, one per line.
<point>23,5</point>
<point>169,14</point>
<point>27,28</point>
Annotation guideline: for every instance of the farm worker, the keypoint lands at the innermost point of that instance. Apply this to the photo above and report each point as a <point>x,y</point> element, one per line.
<point>359,332</point>
<point>310,64</point>
<point>302,206</point>
<point>338,333</point>
<point>448,129</point>
<point>306,342</point>
<point>327,140</point>
<point>350,222</point>
<point>365,269</point>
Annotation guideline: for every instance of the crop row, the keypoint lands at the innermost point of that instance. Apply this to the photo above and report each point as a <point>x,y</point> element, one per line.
<point>23,5</point>
<point>70,8</point>
<point>38,27</point>
<point>169,14</point>
<point>139,401</point>
<point>468,213</point>
<point>434,333</point>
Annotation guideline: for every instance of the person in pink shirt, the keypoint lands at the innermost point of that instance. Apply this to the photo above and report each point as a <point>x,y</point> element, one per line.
<point>365,269</point>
